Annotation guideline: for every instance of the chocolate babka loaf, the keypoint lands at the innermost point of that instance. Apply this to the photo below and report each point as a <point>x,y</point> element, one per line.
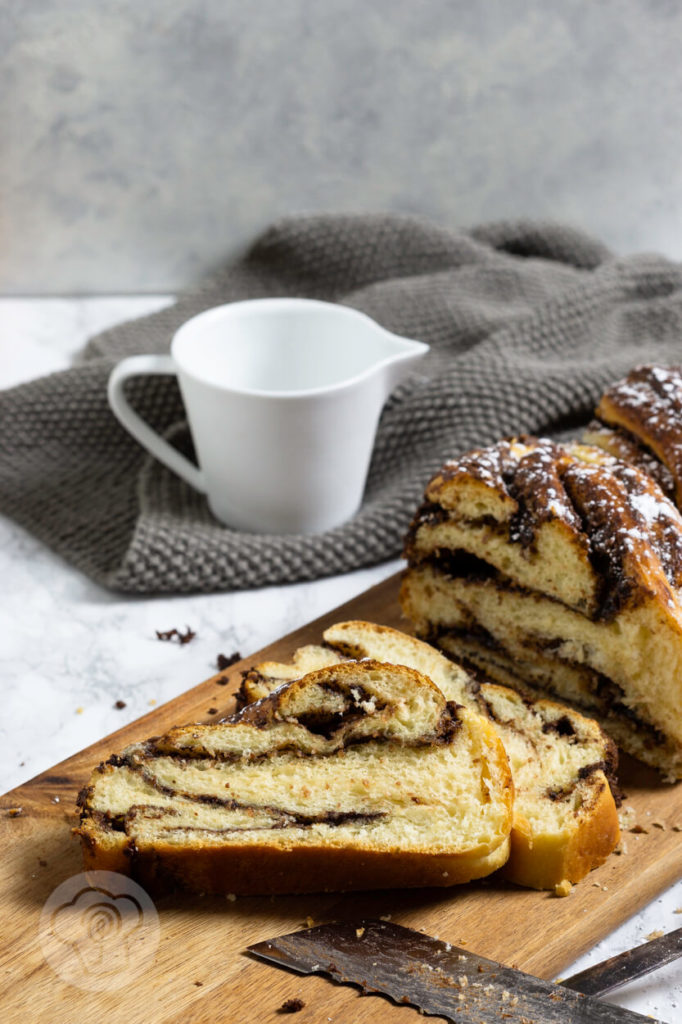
<point>565,818</point>
<point>639,420</point>
<point>557,569</point>
<point>357,776</point>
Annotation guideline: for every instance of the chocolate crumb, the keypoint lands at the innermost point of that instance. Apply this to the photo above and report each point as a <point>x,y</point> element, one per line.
<point>224,661</point>
<point>15,812</point>
<point>43,863</point>
<point>198,984</point>
<point>176,634</point>
<point>212,711</point>
<point>291,1006</point>
<point>120,704</point>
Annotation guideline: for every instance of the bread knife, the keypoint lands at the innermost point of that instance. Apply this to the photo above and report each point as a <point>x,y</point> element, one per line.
<point>447,981</point>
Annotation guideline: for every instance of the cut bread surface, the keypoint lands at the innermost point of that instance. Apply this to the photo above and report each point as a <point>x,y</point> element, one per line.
<point>360,775</point>
<point>608,636</point>
<point>565,818</point>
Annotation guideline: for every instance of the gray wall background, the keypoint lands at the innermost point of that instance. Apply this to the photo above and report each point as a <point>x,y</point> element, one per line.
<point>143,141</point>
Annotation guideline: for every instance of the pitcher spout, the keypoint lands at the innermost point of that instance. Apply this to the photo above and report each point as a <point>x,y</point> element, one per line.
<point>399,364</point>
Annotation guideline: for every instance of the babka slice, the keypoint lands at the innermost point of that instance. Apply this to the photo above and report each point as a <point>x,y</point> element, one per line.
<point>357,776</point>
<point>639,420</point>
<point>565,818</point>
<point>558,567</point>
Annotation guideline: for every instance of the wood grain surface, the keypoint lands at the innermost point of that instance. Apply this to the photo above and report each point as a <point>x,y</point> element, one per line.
<point>201,973</point>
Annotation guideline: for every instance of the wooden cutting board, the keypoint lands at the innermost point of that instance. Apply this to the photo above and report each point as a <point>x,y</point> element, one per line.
<point>201,973</point>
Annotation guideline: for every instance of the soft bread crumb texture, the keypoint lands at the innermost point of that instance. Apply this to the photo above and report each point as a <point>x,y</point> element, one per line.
<point>566,572</point>
<point>565,820</point>
<point>356,775</point>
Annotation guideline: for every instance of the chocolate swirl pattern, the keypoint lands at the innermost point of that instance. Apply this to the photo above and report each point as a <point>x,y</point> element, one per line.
<point>359,775</point>
<point>557,569</point>
<point>562,763</point>
<point>639,419</point>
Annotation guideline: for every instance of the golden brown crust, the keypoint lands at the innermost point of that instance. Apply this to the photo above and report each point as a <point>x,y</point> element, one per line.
<point>253,870</point>
<point>538,861</point>
<point>584,837</point>
<point>243,806</point>
<point>648,405</point>
<point>627,448</point>
<point>617,529</point>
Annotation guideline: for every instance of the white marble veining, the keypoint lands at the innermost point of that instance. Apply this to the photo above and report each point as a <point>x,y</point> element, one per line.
<point>69,649</point>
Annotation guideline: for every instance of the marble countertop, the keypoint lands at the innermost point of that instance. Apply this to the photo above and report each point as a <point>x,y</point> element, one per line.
<point>70,650</point>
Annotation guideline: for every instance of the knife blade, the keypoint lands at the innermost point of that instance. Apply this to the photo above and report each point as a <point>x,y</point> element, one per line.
<point>436,977</point>
<point>623,967</point>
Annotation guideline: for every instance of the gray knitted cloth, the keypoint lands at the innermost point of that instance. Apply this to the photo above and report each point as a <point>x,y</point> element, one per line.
<point>527,322</point>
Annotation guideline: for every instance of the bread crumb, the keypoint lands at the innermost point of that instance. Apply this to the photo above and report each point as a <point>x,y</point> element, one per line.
<point>657,934</point>
<point>231,897</point>
<point>309,922</point>
<point>359,932</point>
<point>626,818</point>
<point>563,888</point>
<point>15,812</point>
<point>151,703</point>
<point>176,634</point>
<point>385,917</point>
<point>79,711</point>
<point>678,910</point>
<point>223,662</point>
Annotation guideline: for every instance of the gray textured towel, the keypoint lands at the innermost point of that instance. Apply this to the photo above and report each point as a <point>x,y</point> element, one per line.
<point>527,322</point>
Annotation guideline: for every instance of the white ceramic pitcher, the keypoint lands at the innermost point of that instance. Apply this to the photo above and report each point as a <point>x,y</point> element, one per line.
<point>283,397</point>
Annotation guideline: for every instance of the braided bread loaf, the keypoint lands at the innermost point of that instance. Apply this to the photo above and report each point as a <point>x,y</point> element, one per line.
<point>565,819</point>
<point>558,569</point>
<point>354,777</point>
<point>639,420</point>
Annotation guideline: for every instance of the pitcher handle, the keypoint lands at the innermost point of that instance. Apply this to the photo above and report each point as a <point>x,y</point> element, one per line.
<point>136,366</point>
